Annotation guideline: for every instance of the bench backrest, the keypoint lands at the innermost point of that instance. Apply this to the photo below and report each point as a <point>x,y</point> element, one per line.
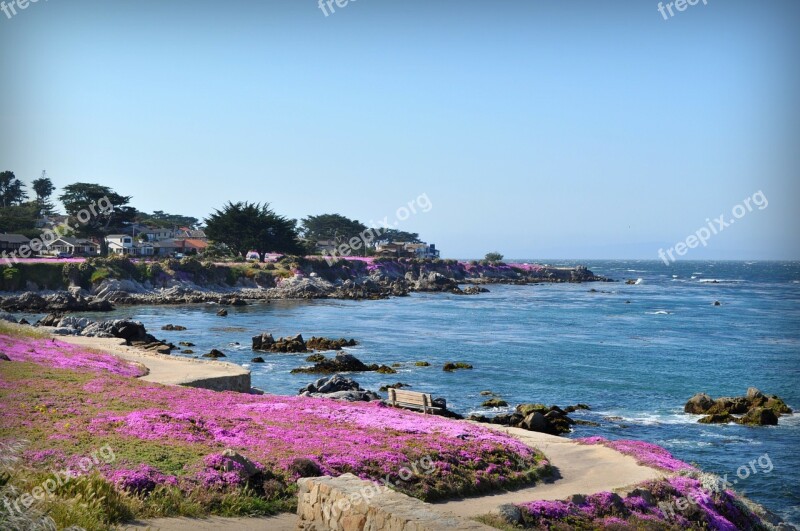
<point>422,400</point>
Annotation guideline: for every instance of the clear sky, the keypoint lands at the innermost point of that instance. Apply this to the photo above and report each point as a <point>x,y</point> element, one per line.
<point>540,129</point>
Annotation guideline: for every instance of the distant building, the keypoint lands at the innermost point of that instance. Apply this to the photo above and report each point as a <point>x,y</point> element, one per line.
<point>326,246</point>
<point>194,234</point>
<point>12,242</point>
<point>174,246</point>
<point>422,250</point>
<point>168,247</point>
<point>120,244</point>
<point>392,250</point>
<point>194,246</point>
<point>158,234</point>
<point>75,246</point>
<point>406,250</point>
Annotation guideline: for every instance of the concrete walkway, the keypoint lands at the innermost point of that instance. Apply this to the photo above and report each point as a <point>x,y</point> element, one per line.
<point>164,369</point>
<point>582,469</point>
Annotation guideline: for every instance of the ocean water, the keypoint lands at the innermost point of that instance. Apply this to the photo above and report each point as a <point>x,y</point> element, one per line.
<point>634,353</point>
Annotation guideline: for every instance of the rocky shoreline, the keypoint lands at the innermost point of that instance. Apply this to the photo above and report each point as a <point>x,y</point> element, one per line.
<point>197,283</point>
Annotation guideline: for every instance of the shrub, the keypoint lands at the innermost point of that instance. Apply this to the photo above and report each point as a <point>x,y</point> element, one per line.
<point>12,279</point>
<point>100,275</point>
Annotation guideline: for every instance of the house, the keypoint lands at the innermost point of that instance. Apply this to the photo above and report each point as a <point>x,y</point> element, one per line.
<point>167,247</point>
<point>194,246</point>
<point>120,244</point>
<point>326,246</point>
<point>423,250</point>
<point>158,234</point>
<point>143,249</point>
<point>174,246</point>
<point>392,250</point>
<point>406,250</point>
<point>52,222</point>
<point>73,246</point>
<point>194,234</point>
<point>12,242</point>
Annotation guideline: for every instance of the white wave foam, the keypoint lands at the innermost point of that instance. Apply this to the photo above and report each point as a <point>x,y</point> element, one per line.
<point>654,419</point>
<point>726,436</point>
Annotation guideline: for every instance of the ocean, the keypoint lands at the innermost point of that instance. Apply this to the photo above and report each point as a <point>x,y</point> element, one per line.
<point>634,353</point>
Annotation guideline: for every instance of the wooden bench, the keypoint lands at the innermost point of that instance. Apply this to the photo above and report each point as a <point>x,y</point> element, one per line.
<point>412,400</point>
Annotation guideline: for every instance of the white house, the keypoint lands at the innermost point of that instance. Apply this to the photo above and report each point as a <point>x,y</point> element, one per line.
<point>120,244</point>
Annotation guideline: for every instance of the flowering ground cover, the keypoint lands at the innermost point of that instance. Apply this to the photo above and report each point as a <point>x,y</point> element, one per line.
<point>645,453</point>
<point>170,443</point>
<point>687,499</point>
<point>680,502</point>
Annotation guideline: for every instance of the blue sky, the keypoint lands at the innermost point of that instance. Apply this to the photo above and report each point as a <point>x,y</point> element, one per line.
<point>541,129</point>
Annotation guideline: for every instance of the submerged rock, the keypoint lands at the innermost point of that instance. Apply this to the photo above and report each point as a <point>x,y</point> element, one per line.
<point>759,416</point>
<point>451,366</point>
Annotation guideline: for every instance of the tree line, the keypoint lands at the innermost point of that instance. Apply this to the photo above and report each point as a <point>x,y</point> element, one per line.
<point>240,226</point>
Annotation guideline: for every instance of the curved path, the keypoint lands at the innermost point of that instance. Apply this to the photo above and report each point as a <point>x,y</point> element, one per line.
<point>582,469</point>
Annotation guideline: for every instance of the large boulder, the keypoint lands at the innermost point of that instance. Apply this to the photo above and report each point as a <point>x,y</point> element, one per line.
<point>322,343</point>
<point>343,362</point>
<point>778,406</point>
<point>293,344</point>
<point>759,416</point>
<point>536,422</point>
<point>699,404</point>
<point>718,418</point>
<point>733,405</point>
<point>535,417</point>
<point>339,388</point>
<point>435,282</point>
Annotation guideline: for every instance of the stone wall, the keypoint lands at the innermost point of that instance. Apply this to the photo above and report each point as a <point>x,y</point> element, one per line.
<point>348,503</point>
